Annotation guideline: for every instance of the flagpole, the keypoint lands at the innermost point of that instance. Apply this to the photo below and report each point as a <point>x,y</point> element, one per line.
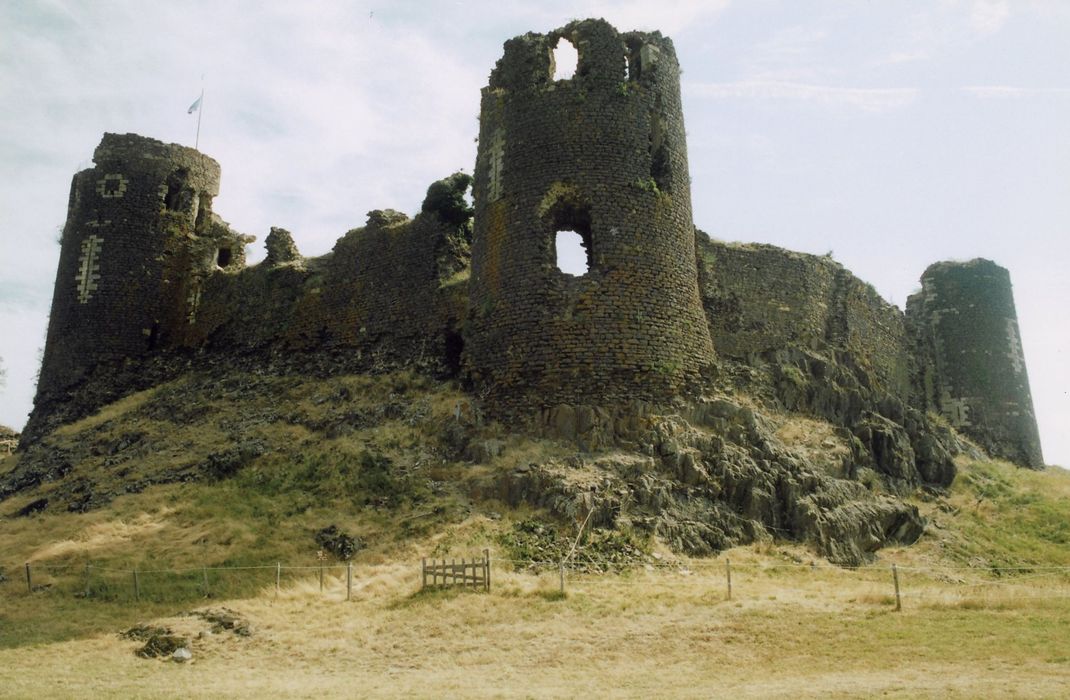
<point>200,113</point>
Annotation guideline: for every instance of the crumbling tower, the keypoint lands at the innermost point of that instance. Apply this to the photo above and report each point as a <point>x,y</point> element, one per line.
<point>139,229</point>
<point>971,364</point>
<point>603,155</point>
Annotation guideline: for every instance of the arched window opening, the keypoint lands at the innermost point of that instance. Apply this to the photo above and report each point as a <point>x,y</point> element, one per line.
<point>566,58</point>
<point>660,165</point>
<point>204,212</point>
<point>223,257</point>
<point>573,252</point>
<point>568,224</point>
<point>454,351</point>
<point>633,64</point>
<point>179,197</point>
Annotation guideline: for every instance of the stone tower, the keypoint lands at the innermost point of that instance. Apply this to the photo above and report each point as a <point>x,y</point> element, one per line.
<point>972,369</point>
<point>603,155</point>
<point>139,226</point>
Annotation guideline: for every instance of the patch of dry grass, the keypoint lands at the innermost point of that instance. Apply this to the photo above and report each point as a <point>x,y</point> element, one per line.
<point>788,631</point>
<point>104,535</point>
<point>795,626</point>
<point>814,440</point>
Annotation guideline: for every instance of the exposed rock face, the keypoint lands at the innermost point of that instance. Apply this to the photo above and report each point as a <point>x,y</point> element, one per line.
<point>338,543</point>
<point>713,479</point>
<point>159,645</point>
<point>890,447</point>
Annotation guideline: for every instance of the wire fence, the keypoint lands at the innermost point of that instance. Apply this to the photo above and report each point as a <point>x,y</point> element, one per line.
<point>889,584</point>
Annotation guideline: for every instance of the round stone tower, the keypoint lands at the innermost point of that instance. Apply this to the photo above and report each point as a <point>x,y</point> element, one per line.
<point>122,282</point>
<point>973,369</point>
<point>602,155</point>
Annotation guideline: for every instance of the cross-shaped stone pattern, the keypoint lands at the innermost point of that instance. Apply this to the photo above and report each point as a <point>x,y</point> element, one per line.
<point>497,154</point>
<point>957,411</point>
<point>88,268</point>
<point>1014,352</point>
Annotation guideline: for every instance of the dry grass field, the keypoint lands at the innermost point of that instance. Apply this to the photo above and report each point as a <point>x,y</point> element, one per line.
<point>787,632</point>
<point>985,603</point>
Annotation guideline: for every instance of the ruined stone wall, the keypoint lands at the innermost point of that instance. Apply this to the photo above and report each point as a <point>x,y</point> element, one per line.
<point>148,273</point>
<point>388,292</point>
<point>126,249</point>
<point>151,282</point>
<point>972,368</point>
<point>760,298</point>
<point>602,154</point>
<point>875,333</point>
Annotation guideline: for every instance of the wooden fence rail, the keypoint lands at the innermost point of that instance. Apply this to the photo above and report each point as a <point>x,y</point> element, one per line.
<point>469,573</point>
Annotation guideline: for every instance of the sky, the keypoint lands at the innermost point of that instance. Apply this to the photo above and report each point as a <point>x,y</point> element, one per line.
<point>891,134</point>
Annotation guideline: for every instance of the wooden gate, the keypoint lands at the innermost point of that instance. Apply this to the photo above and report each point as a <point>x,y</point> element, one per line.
<point>468,573</point>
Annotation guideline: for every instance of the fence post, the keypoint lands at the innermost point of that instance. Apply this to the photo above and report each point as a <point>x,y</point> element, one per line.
<point>29,579</point>
<point>278,577</point>
<point>561,575</point>
<point>486,570</point>
<point>423,573</point>
<point>728,576</point>
<point>349,580</point>
<point>321,576</point>
<point>87,579</point>
<point>137,586</point>
<point>895,579</point>
<point>207,591</point>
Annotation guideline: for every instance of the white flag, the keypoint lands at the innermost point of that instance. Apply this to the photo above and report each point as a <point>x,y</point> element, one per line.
<point>196,105</point>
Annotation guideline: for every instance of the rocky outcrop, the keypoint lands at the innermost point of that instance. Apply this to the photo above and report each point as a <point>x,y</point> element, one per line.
<point>708,476</point>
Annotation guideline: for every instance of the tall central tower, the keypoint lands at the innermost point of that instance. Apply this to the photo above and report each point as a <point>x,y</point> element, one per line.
<point>601,154</point>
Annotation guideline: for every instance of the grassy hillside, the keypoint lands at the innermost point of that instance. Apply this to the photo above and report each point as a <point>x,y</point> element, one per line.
<point>240,484</point>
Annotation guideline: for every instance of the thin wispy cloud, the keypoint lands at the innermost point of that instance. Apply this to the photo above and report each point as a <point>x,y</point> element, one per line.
<point>989,16</point>
<point>867,99</point>
<point>1012,92</point>
<point>668,16</point>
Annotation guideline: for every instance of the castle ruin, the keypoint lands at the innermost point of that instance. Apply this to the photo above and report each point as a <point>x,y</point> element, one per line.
<point>151,282</point>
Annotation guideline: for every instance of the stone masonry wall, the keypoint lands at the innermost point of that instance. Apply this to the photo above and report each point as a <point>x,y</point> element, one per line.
<point>602,154</point>
<point>385,293</point>
<point>971,360</point>
<point>125,253</point>
<point>148,275</point>
<point>760,298</point>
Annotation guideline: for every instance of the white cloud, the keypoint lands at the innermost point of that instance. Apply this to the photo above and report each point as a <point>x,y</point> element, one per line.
<point>793,54</point>
<point>1011,92</point>
<point>989,16</point>
<point>867,99</point>
<point>668,16</point>
<point>904,57</point>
